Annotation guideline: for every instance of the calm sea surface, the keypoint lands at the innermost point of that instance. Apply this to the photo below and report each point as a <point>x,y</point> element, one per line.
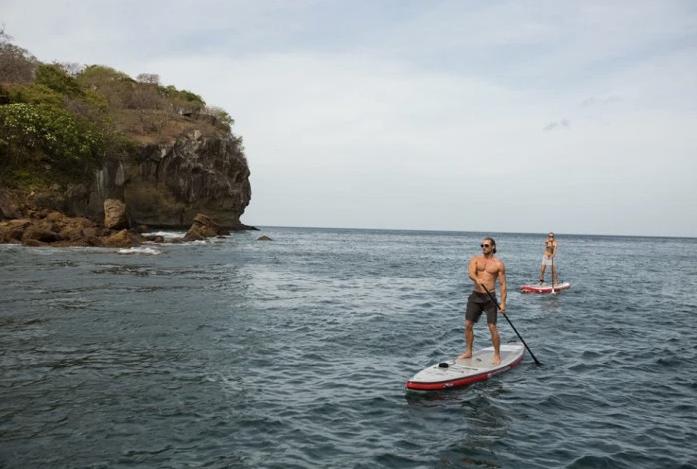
<point>295,352</point>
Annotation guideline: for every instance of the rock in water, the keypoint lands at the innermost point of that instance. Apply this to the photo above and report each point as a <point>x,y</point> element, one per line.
<point>122,239</point>
<point>204,227</point>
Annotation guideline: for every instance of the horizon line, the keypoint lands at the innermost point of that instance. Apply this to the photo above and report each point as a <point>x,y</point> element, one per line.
<point>429,230</point>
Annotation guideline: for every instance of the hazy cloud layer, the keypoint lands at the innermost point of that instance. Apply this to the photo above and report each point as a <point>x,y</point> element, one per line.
<point>506,116</point>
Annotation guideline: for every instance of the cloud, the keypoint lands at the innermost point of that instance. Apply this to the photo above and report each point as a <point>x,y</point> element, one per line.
<point>600,101</point>
<point>560,124</point>
<point>411,115</point>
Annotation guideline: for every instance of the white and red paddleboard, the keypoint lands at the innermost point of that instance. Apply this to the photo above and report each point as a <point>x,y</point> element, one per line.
<point>458,373</point>
<point>545,288</point>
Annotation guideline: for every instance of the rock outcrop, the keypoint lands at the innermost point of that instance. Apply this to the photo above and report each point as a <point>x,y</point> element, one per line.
<point>115,214</point>
<point>121,239</point>
<point>45,228</point>
<point>163,152</point>
<point>204,227</point>
<point>163,185</point>
<point>191,181</point>
<point>8,209</point>
<point>167,185</point>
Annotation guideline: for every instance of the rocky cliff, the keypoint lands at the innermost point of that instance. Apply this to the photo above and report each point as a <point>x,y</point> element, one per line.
<point>163,185</point>
<point>167,184</point>
<point>72,138</point>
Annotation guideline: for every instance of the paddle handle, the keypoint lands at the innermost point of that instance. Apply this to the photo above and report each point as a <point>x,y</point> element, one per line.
<point>537,362</point>
<point>552,274</point>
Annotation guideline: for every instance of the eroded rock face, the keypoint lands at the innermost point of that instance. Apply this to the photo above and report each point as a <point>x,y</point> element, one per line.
<point>171,183</point>
<point>163,185</point>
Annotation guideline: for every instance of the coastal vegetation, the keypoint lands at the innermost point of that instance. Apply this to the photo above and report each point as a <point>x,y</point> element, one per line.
<point>90,156</point>
<point>61,121</point>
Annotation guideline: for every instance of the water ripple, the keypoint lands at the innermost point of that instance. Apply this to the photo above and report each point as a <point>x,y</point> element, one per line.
<point>294,354</point>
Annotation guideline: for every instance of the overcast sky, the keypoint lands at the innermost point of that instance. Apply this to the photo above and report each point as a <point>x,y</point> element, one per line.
<point>515,116</point>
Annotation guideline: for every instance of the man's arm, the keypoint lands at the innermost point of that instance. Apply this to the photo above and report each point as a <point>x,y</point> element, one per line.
<point>472,270</point>
<point>502,286</point>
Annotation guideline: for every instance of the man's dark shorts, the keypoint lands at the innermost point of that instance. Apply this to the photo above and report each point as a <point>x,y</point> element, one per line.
<point>476,304</point>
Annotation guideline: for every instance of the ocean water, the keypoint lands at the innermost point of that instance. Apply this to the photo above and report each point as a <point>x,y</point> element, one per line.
<point>295,352</point>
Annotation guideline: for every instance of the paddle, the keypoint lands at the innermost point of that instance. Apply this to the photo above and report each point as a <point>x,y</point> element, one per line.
<point>552,275</point>
<point>537,362</point>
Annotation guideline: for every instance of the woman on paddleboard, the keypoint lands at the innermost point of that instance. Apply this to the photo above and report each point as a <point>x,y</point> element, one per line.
<point>484,271</point>
<point>548,259</point>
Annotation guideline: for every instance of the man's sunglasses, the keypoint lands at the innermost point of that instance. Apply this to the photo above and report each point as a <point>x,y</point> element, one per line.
<point>485,245</point>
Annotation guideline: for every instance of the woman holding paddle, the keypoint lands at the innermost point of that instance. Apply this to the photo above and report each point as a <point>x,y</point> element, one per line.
<point>548,259</point>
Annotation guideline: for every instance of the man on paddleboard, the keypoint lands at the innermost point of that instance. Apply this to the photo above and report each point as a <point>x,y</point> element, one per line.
<point>548,259</point>
<point>484,270</point>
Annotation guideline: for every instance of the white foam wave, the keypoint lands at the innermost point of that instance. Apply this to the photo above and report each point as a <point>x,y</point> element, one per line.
<point>166,234</point>
<point>140,250</point>
<point>194,243</point>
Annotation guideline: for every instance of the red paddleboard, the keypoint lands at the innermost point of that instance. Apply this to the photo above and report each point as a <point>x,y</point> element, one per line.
<point>458,373</point>
<point>545,288</point>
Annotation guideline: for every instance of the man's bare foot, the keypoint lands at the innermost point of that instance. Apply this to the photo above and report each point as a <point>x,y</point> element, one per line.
<point>496,360</point>
<point>464,355</point>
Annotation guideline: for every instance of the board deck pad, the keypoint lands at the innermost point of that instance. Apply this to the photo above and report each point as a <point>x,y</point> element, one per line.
<point>545,288</point>
<point>466,371</point>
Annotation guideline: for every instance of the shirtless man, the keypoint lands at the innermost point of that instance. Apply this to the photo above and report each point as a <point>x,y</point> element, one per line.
<point>548,259</point>
<point>484,270</point>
